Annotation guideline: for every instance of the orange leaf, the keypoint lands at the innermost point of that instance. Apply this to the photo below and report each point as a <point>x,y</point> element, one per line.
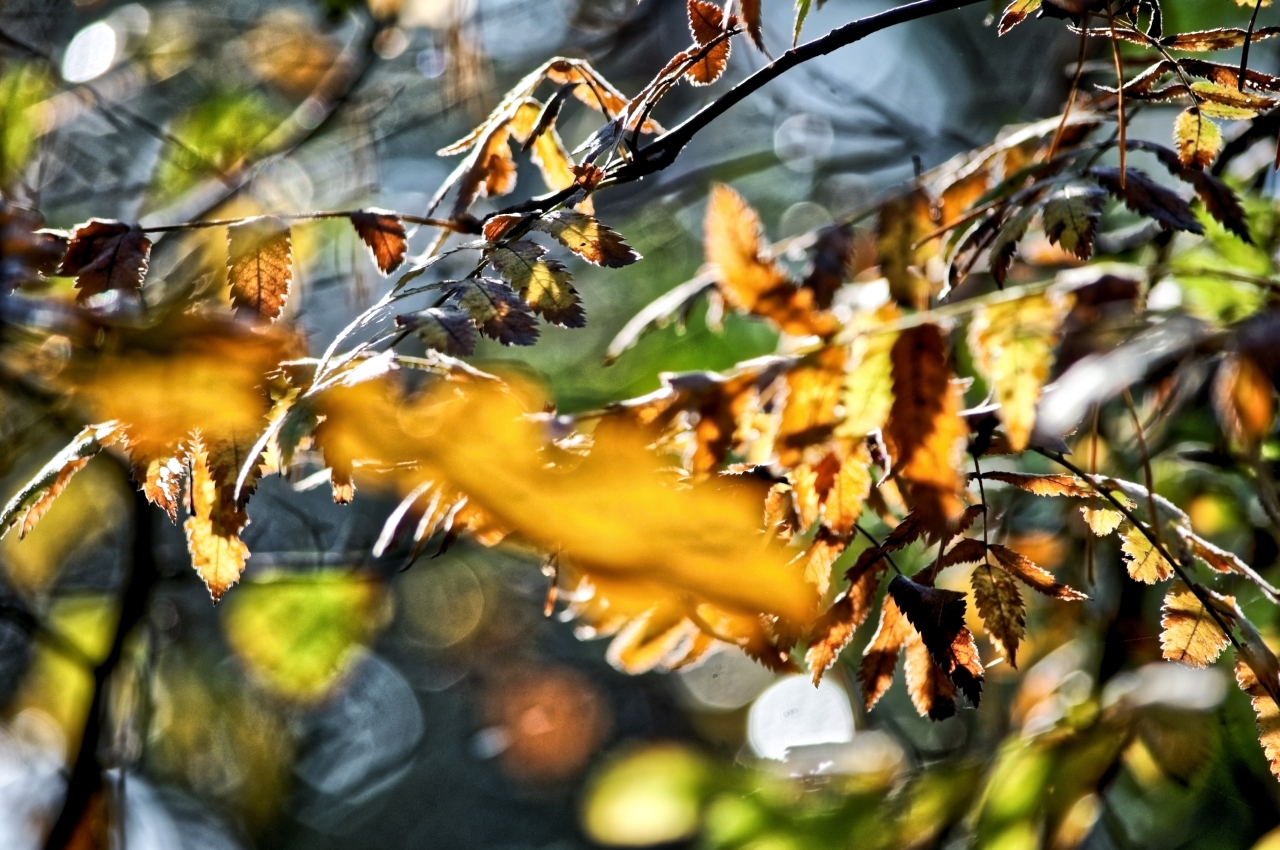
<point>1022,568</point>
<point>383,233</point>
<point>875,672</point>
<point>1267,712</point>
<point>706,23</point>
<point>932,692</point>
<point>1244,400</point>
<point>1001,607</point>
<point>1044,485</point>
<point>213,538</point>
<point>260,265</point>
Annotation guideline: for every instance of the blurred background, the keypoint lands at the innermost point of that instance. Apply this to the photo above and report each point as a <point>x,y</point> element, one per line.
<point>336,700</point>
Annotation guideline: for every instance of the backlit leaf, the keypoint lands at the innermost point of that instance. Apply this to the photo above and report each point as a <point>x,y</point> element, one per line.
<point>106,256</point>
<point>880,658</point>
<point>498,311</point>
<point>1015,13</point>
<point>849,489</point>
<point>383,233</point>
<point>1053,484</point>
<point>751,17</point>
<point>544,284</point>
<point>1198,139</point>
<point>1143,195</point>
<point>36,497</point>
<point>587,238</point>
<point>1145,563</point>
<point>932,692</point>
<point>1191,635</point>
<point>1102,521</point>
<point>1026,571</point>
<point>831,634</point>
<point>1224,38</point>
<point>902,222</point>
<point>868,386</point>
<point>213,529</point>
<point>1071,217</point>
<point>1267,713</point>
<point>446,329</point>
<point>1244,399</point>
<point>1000,604</point>
<point>706,23</point>
<point>260,265</point>
<point>1013,343</point>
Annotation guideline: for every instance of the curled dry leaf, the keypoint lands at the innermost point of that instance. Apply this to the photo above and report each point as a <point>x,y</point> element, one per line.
<point>260,265</point>
<point>706,23</point>
<point>106,256</point>
<point>1191,635</point>
<point>36,497</point>
<point>1013,343</point>
<point>383,233</point>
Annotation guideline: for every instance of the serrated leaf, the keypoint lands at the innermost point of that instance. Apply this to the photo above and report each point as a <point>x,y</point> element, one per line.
<point>1013,343</point>
<point>1005,244</point>
<point>937,617</point>
<point>1266,711</point>
<point>106,256</point>
<point>1071,217</point>
<point>1198,139</point>
<point>924,432</point>
<point>831,634</point>
<point>1145,564</point>
<point>843,503</point>
<point>1191,635</point>
<point>544,284</point>
<point>36,497</point>
<point>968,550</point>
<point>446,329</point>
<point>1000,604</point>
<point>1053,484</point>
<point>868,386</point>
<point>1146,197</point>
<point>260,265</point>
<point>706,23</point>
<point>1102,521</point>
<point>160,479</point>
<point>818,558</point>
<point>383,233</point>
<point>751,17</point>
<point>218,555</point>
<point>497,310</point>
<point>588,238</point>
<point>880,658</point>
<point>1015,13</point>
<point>932,692</point>
<point>802,12</point>
<point>1025,570</point>
<point>1223,38</point>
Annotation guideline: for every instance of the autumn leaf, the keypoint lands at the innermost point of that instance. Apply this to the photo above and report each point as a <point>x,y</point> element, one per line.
<point>36,497</point>
<point>383,233</point>
<point>106,256</point>
<point>1021,567</point>
<point>497,310</point>
<point>543,284</point>
<point>1244,399</point>
<point>706,23</point>
<point>924,433</point>
<point>1102,521</point>
<point>1015,13</point>
<point>751,17</point>
<point>1013,342</point>
<point>446,329</point>
<point>868,385</point>
<point>1001,607</point>
<point>1053,484</point>
<point>1191,635</point>
<point>1207,41</point>
<point>969,550</point>
<point>1145,563</point>
<point>811,406</point>
<point>1198,139</point>
<point>832,633</point>
<point>213,530</point>
<point>843,503</point>
<point>818,558</point>
<point>587,238</point>
<point>1071,217</point>
<point>937,616</point>
<point>1147,197</point>
<point>880,658</point>
<point>260,265</point>
<point>931,690</point>
<point>902,222</point>
<point>1266,711</point>
<point>159,478</point>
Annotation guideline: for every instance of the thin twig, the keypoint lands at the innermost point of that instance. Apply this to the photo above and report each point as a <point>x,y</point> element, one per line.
<point>1146,461</point>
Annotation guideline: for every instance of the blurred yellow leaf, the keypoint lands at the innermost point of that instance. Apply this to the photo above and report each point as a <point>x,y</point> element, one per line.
<point>650,796</point>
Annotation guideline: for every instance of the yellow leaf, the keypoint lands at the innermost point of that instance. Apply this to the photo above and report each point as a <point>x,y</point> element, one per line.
<point>588,238</point>
<point>843,504</point>
<point>1267,712</point>
<point>260,265</point>
<point>213,531</point>
<point>1102,521</point>
<point>1012,343</point>
<point>1015,13</point>
<point>1145,563</point>
<point>902,222</point>
<point>868,385</point>
<point>1000,604</point>
<point>1198,139</point>
<point>1191,635</point>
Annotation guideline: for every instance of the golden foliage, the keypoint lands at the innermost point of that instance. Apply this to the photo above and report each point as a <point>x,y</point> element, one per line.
<point>1198,139</point>
<point>1267,712</point>
<point>1191,635</point>
<point>1021,567</point>
<point>260,265</point>
<point>1244,399</point>
<point>213,538</point>
<point>706,23</point>
<point>1003,611</point>
<point>880,658</point>
<point>1145,563</point>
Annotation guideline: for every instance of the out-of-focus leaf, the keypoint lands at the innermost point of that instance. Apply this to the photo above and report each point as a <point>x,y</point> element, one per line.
<point>22,86</point>
<point>105,256</point>
<point>1145,563</point>
<point>1191,635</point>
<point>924,432</point>
<point>36,497</point>
<point>648,796</point>
<point>706,23</point>
<point>544,284</point>
<point>260,265</point>
<point>751,17</point>
<point>868,395</point>
<point>1244,399</point>
<point>1015,13</point>
<point>215,136</point>
<point>1198,139</point>
<point>297,635</point>
<point>1013,343</point>
<point>902,222</point>
<point>383,234</point>
<point>875,672</point>
<point>1207,41</point>
<point>588,238</point>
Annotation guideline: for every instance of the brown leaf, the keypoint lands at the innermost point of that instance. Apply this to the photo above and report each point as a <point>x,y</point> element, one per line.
<point>587,238</point>
<point>751,17</point>
<point>902,222</point>
<point>875,672</point>
<point>1145,563</point>
<point>260,265</point>
<point>969,550</point>
<point>1191,635</point>
<point>937,614</point>
<point>1267,712</point>
<point>446,329</point>
<point>831,634</point>
<point>1055,484</point>
<point>932,692</point>
<point>497,310</point>
<point>1147,197</point>
<point>1022,568</point>
<point>1015,13</point>
<point>383,233</point>
<point>706,23</point>
<point>160,479</point>
<point>544,284</point>
<point>1208,41</point>
<point>818,558</point>
<point>924,433</point>
<point>1244,399</point>
<point>1000,604</point>
<point>105,256</point>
